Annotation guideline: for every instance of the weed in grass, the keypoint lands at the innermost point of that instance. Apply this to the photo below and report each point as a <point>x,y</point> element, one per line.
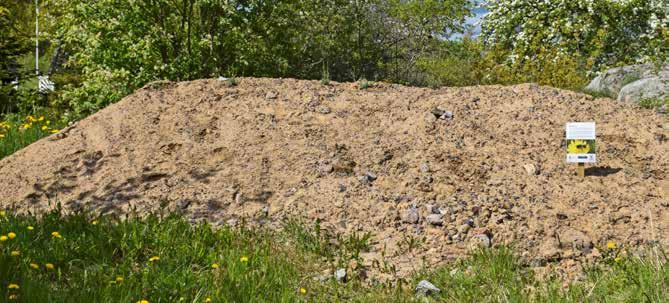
<point>325,75</point>
<point>233,81</point>
<point>18,132</point>
<point>629,78</point>
<point>410,242</point>
<point>653,103</point>
<point>158,84</point>
<point>69,259</point>
<point>364,84</point>
<point>78,258</point>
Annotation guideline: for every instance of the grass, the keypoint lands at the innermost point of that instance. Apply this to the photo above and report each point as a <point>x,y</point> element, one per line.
<point>17,132</point>
<point>653,103</point>
<point>364,84</point>
<point>166,259</point>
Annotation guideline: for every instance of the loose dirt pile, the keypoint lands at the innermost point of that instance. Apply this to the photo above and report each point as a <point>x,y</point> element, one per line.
<point>429,172</point>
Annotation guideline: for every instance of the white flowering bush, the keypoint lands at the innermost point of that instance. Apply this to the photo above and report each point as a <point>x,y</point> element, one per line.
<point>594,33</point>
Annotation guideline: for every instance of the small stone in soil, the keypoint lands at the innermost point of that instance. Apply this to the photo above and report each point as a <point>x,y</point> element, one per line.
<point>435,219</point>
<point>323,110</point>
<point>411,216</point>
<point>479,241</point>
<point>368,178</point>
<point>448,115</point>
<point>340,275</point>
<point>426,288</point>
<point>271,95</point>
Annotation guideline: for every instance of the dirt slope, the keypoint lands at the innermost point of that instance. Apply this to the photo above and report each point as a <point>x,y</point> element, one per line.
<point>361,160</point>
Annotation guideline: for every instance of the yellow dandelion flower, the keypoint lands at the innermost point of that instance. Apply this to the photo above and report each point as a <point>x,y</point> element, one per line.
<point>30,228</point>
<point>611,245</point>
<point>143,301</point>
<point>56,234</point>
<point>207,300</point>
<point>154,259</point>
<point>53,131</point>
<point>47,122</point>
<point>49,266</point>
<point>578,147</point>
<point>11,235</point>
<point>41,118</point>
<point>34,266</point>
<point>2,213</point>
<point>44,127</point>
<point>119,280</point>
<point>12,297</point>
<point>303,290</point>
<point>31,118</point>
<point>215,266</point>
<point>3,238</point>
<point>244,259</point>
<point>13,286</point>
<point>15,253</point>
<point>95,222</point>
<point>27,125</point>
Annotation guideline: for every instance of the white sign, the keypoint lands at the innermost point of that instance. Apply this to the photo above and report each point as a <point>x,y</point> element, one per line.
<point>581,145</point>
<point>45,85</point>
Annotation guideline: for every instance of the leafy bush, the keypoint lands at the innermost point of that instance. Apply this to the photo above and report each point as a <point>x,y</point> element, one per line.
<point>601,33</point>
<point>469,62</point>
<point>121,45</point>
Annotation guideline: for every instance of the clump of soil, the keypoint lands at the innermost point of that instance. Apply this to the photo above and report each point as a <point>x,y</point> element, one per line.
<point>431,173</point>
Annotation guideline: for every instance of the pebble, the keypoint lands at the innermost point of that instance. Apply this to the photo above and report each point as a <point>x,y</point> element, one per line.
<point>368,178</point>
<point>271,95</point>
<point>342,187</point>
<point>239,198</point>
<point>435,219</point>
<point>340,275</point>
<point>448,115</point>
<point>531,169</point>
<point>437,112</point>
<point>464,229</point>
<point>324,109</point>
<point>430,118</point>
<point>411,216</point>
<point>425,288</point>
<point>480,241</point>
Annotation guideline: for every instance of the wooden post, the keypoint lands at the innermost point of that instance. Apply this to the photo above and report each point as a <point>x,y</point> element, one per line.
<point>580,170</point>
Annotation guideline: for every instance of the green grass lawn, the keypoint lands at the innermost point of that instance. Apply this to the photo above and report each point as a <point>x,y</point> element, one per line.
<point>79,258</point>
<point>17,132</point>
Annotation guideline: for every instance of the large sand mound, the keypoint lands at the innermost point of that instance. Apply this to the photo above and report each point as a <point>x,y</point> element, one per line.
<point>374,160</point>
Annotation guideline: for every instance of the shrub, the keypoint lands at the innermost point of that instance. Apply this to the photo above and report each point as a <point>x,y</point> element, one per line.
<point>601,32</point>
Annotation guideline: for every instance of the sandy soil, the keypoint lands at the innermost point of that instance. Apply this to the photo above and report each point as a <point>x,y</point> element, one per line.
<point>374,160</point>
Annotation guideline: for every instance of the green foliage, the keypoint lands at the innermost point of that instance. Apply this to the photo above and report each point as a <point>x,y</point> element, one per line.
<point>654,103</point>
<point>469,62</point>
<point>325,76</point>
<point>166,259</point>
<point>12,46</point>
<point>364,84</point>
<point>119,46</point>
<point>601,33</point>
<point>457,63</point>
<point>89,256</point>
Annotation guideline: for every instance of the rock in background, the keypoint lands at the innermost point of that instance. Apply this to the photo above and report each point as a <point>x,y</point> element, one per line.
<point>633,83</point>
